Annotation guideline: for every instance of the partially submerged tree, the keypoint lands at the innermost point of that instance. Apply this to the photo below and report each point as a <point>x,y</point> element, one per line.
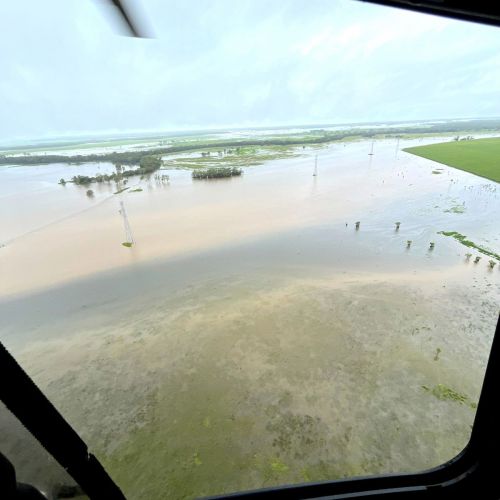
<point>477,259</point>
<point>82,179</point>
<point>468,256</point>
<point>90,193</point>
<point>357,224</point>
<point>397,225</point>
<point>492,263</point>
<point>431,245</point>
<point>408,243</point>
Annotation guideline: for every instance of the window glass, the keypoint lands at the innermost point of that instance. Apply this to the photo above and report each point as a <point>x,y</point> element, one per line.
<point>258,248</point>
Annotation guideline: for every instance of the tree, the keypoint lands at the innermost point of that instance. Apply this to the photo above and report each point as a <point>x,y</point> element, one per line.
<point>82,179</point>
<point>148,164</point>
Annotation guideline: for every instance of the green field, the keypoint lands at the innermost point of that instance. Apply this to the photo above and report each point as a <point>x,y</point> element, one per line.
<point>480,156</point>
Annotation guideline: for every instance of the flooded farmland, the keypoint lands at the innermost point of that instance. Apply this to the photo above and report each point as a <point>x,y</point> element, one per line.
<point>254,336</point>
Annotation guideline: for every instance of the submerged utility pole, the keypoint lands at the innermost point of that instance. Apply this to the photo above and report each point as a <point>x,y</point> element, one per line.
<point>397,148</point>
<point>129,239</point>
<point>371,150</point>
<point>315,166</point>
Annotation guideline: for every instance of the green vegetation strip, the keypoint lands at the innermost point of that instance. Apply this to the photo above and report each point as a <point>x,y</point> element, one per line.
<point>480,156</point>
<point>463,239</point>
<point>444,393</point>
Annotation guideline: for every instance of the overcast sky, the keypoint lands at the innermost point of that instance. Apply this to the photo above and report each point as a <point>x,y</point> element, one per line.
<point>64,70</point>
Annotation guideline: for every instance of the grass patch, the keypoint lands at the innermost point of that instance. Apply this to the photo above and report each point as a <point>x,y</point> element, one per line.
<point>127,244</point>
<point>138,190</point>
<point>455,209</point>
<point>121,190</point>
<point>444,393</point>
<point>480,156</point>
<point>235,157</point>
<point>461,238</point>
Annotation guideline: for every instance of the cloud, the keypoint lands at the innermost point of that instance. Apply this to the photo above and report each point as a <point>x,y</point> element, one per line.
<point>217,63</point>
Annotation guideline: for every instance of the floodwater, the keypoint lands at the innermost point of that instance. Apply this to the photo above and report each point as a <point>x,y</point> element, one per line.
<point>252,336</point>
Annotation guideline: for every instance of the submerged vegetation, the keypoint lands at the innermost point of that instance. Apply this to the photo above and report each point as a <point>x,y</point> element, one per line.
<point>216,173</point>
<point>456,209</point>
<point>445,393</point>
<point>464,241</point>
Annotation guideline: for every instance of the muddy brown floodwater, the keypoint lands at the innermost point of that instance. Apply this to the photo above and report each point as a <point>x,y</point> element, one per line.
<point>253,336</point>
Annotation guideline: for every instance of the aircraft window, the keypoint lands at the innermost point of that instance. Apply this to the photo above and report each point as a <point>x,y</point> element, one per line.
<point>259,248</point>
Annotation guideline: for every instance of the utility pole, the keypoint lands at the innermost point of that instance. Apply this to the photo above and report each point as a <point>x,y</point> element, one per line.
<point>397,148</point>
<point>371,150</point>
<point>128,231</point>
<point>315,166</point>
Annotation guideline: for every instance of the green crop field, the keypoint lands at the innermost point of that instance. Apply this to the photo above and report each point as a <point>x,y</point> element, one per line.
<point>479,156</point>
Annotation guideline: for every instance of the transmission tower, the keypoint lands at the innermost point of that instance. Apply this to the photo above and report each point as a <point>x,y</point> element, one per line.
<point>128,231</point>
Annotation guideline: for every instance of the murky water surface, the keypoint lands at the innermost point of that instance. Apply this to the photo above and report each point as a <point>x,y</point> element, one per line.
<point>253,336</point>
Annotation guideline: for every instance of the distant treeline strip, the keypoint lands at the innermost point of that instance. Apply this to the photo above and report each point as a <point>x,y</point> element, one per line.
<point>134,157</point>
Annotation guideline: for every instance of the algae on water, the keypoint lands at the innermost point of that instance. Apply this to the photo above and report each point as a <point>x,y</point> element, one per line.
<point>444,393</point>
<point>278,466</point>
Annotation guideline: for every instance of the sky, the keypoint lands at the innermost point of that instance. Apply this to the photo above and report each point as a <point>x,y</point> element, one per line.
<point>65,70</point>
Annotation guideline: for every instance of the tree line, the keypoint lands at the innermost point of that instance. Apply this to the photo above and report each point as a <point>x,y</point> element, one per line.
<point>135,157</point>
<point>147,165</point>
